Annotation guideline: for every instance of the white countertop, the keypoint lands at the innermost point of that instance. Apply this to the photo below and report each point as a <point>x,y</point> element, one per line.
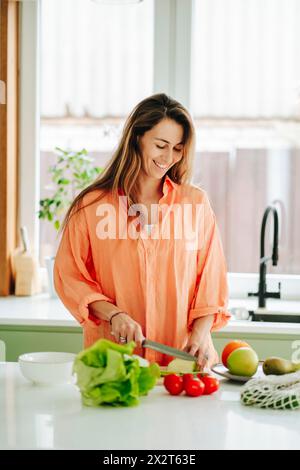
<point>42,310</point>
<point>41,417</point>
<point>37,310</point>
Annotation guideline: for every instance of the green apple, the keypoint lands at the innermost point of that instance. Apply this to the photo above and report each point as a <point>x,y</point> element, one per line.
<point>243,361</point>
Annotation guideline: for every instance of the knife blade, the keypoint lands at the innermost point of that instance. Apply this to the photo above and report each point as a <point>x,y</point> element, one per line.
<point>162,348</point>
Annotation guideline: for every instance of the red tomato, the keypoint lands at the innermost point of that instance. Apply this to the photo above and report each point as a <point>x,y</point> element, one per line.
<point>187,377</point>
<point>211,385</point>
<point>174,384</point>
<point>194,387</point>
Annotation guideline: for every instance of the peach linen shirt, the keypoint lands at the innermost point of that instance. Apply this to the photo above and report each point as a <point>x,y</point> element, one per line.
<point>158,281</point>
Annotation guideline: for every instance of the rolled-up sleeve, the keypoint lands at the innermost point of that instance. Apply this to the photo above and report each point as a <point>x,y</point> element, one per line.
<point>74,273</point>
<point>211,292</point>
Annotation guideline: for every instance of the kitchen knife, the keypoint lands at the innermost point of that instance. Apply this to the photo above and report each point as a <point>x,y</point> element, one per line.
<point>162,348</point>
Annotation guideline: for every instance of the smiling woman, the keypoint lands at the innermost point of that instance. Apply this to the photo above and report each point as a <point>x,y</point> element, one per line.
<point>127,287</point>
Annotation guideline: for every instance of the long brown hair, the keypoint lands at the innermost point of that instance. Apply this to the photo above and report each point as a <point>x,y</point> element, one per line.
<point>122,170</point>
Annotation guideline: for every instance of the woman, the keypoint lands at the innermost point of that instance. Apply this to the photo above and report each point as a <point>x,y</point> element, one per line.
<point>120,269</point>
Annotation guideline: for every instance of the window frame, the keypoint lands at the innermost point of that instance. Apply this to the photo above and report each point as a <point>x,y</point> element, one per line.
<point>29,168</point>
<point>173,25</point>
<point>9,129</point>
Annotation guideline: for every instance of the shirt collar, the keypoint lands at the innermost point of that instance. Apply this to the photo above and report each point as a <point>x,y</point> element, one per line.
<point>168,185</point>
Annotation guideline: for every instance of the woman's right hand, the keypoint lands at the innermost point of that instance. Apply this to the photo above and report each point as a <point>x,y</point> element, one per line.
<point>123,326</point>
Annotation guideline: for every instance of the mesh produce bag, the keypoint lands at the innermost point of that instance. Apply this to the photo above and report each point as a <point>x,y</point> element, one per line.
<point>275,392</point>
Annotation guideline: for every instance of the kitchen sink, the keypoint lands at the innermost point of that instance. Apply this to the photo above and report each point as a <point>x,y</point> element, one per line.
<point>273,316</point>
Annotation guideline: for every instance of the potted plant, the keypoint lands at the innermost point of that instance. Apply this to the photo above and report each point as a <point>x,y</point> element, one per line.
<point>72,172</point>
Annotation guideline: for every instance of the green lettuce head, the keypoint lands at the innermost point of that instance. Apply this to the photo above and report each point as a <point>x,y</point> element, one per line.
<point>108,374</point>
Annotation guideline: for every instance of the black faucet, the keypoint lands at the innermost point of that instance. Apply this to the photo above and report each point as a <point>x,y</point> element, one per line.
<point>262,293</point>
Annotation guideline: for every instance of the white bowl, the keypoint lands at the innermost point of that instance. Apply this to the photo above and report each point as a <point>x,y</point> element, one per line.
<point>47,368</point>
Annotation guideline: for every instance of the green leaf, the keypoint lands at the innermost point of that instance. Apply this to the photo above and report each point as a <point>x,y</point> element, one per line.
<point>63,181</point>
<point>148,377</point>
<point>57,225</point>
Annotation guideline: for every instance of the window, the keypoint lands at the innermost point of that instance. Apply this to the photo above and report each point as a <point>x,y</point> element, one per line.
<point>246,59</point>
<point>244,98</point>
<point>246,85</point>
<point>96,60</point>
<point>96,63</point>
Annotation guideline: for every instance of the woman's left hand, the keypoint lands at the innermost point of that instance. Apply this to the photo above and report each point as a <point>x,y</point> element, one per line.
<point>199,342</point>
<point>198,346</point>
